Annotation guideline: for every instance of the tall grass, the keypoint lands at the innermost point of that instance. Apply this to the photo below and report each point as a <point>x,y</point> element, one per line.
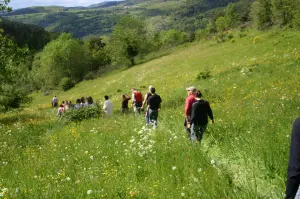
<point>253,91</point>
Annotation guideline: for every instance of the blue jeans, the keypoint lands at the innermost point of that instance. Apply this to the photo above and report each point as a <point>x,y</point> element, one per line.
<point>197,132</point>
<point>153,115</point>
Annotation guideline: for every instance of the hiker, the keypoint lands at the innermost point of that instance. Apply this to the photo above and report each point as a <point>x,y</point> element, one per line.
<point>90,101</point>
<point>199,117</point>
<point>54,102</point>
<point>108,106</point>
<point>137,100</point>
<point>124,105</point>
<point>146,102</point>
<point>78,104</point>
<point>293,177</point>
<point>61,110</point>
<point>190,100</point>
<point>71,105</point>
<point>153,107</point>
<point>83,103</point>
<point>66,105</point>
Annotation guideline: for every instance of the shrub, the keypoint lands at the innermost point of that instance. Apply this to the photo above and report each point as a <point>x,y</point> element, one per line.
<point>77,115</point>
<point>89,76</point>
<point>204,74</point>
<point>66,83</point>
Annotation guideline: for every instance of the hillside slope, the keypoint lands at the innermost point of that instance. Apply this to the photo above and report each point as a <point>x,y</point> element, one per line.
<point>100,19</point>
<point>253,90</point>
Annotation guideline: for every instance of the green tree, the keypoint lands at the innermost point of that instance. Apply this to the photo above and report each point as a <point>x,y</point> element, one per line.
<point>4,5</point>
<point>231,15</point>
<point>99,55</point>
<point>63,57</point>
<point>261,13</point>
<point>15,80</point>
<point>221,24</point>
<point>173,37</point>
<point>284,11</point>
<point>128,40</point>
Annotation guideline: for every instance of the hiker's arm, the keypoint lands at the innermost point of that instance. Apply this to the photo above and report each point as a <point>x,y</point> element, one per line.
<point>145,101</point>
<point>210,114</point>
<point>147,109</point>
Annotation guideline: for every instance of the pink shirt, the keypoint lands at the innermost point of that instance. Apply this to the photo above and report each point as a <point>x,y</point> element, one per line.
<point>190,100</point>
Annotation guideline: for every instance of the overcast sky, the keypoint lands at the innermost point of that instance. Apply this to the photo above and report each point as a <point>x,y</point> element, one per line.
<point>15,4</point>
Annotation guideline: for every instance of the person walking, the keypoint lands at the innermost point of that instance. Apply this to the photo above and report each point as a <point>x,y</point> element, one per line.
<point>108,106</point>
<point>137,100</point>
<point>293,176</point>
<point>124,105</point>
<point>153,107</point>
<point>200,112</point>
<point>145,102</point>
<point>54,102</point>
<point>78,104</point>
<point>190,100</point>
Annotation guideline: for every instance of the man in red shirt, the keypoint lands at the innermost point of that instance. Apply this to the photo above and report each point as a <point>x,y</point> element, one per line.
<point>190,100</point>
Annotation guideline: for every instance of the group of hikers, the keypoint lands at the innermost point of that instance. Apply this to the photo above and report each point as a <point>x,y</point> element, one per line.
<point>196,113</point>
<point>196,110</point>
<point>66,104</point>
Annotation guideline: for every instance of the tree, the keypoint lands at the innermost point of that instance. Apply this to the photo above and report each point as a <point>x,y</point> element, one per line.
<point>261,13</point>
<point>63,57</point>
<point>4,5</point>
<point>128,40</point>
<point>99,55</point>
<point>284,11</point>
<point>221,24</point>
<point>231,15</point>
<point>15,78</point>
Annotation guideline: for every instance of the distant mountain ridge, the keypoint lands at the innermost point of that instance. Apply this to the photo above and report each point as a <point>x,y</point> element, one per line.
<point>100,19</point>
<point>105,4</point>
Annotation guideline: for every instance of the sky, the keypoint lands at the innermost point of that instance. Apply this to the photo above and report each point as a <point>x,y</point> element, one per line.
<point>16,4</point>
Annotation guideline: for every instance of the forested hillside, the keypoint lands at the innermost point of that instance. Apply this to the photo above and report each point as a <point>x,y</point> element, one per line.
<point>34,37</point>
<point>99,19</point>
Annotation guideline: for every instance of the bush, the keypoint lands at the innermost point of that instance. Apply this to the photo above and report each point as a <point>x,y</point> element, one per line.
<point>89,76</point>
<point>204,74</point>
<point>66,83</point>
<point>77,115</point>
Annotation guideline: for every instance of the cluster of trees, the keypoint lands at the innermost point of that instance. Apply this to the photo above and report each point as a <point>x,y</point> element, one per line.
<point>68,59</point>
<point>266,13</point>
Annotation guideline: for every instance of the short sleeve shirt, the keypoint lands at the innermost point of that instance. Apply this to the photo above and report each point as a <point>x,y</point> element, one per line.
<point>154,102</point>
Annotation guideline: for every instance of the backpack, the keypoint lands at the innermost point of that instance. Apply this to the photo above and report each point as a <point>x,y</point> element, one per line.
<point>138,97</point>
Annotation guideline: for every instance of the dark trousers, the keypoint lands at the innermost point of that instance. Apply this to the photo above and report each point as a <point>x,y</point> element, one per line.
<point>293,179</point>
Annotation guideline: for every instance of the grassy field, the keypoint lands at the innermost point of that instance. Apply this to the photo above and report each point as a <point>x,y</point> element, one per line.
<point>254,93</point>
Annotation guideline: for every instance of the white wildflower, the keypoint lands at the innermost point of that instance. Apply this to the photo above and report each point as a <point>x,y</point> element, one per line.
<point>174,168</point>
<point>89,192</point>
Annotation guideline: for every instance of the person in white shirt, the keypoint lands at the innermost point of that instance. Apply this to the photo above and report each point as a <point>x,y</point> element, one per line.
<point>54,102</point>
<point>108,106</point>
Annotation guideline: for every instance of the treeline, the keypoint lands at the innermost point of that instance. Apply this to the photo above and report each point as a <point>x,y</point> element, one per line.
<point>33,37</point>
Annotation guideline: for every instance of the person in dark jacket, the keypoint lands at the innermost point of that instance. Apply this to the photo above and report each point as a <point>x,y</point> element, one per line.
<point>293,178</point>
<point>153,108</point>
<point>199,117</point>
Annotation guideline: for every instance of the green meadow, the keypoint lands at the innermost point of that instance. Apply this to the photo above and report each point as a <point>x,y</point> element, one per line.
<point>253,89</point>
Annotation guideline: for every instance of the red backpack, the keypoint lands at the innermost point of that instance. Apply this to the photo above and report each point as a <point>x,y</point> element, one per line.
<point>138,97</point>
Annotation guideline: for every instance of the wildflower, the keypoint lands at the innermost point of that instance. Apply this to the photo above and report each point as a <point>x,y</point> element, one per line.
<point>174,168</point>
<point>89,192</point>
<point>212,162</point>
<point>68,178</point>
<point>91,157</point>
<point>182,194</point>
<point>132,193</point>
<point>199,170</point>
